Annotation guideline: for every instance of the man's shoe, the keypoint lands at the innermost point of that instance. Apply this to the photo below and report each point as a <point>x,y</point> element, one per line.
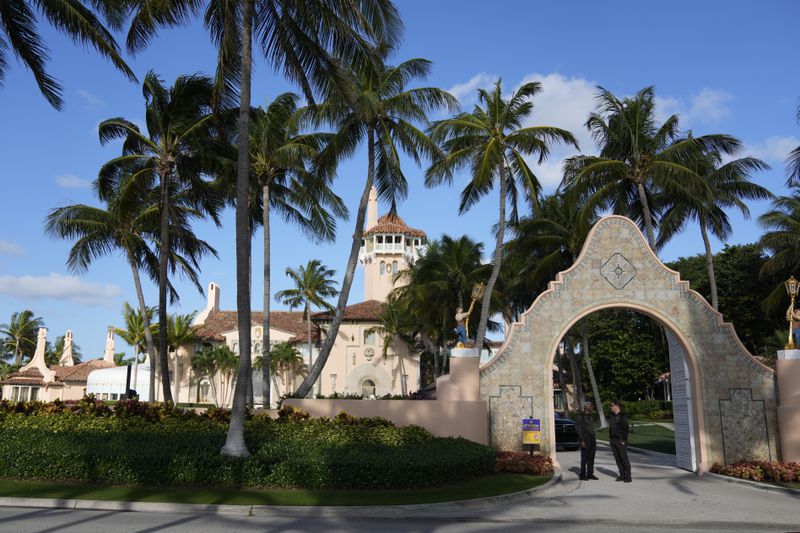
<point>627,480</point>
<point>583,478</point>
<point>619,478</point>
<point>592,476</point>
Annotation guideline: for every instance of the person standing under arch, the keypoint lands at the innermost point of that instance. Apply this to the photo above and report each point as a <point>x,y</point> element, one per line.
<point>588,442</point>
<point>618,437</point>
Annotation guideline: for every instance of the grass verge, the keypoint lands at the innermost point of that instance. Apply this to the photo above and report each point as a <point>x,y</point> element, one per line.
<point>649,437</point>
<point>479,488</point>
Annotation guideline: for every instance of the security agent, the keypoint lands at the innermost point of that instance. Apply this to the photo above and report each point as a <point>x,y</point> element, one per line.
<point>618,436</point>
<point>588,442</point>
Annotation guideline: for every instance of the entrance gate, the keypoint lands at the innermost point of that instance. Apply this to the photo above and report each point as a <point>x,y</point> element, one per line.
<point>723,398</point>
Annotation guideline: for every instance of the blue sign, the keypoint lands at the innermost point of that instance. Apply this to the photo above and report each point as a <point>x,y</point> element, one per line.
<point>531,424</point>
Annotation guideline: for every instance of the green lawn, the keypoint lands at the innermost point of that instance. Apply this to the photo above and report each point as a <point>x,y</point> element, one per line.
<point>649,437</point>
<point>488,486</point>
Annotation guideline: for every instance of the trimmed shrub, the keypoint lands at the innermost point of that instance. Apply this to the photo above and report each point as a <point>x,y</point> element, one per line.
<point>160,445</point>
<point>761,471</point>
<point>523,463</point>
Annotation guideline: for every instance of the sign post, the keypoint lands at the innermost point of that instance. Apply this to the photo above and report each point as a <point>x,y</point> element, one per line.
<point>531,433</point>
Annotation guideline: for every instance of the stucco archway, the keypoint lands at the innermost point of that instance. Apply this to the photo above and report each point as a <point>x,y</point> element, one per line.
<point>730,403</point>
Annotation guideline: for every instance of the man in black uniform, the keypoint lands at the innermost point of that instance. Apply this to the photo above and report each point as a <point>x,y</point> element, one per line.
<point>618,435</point>
<point>588,441</point>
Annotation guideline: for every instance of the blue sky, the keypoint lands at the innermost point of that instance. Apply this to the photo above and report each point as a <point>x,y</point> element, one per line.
<point>725,67</point>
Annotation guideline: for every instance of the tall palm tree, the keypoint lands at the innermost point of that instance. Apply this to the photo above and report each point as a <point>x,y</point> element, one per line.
<point>173,153</point>
<point>20,21</point>
<point>301,38</point>
<point>20,335</point>
<point>129,225</point>
<point>287,362</point>
<point>379,110</point>
<point>312,286</point>
<point>638,157</point>
<point>493,142</point>
<point>730,186</point>
<point>782,241</point>
<point>279,160</point>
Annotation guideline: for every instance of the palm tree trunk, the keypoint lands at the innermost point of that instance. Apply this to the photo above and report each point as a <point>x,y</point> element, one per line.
<point>498,252</point>
<point>561,384</point>
<point>265,358</point>
<point>577,382</point>
<point>234,442</point>
<point>310,346</point>
<point>648,220</point>
<point>347,282</point>
<point>712,279</point>
<point>592,379</point>
<point>163,261</point>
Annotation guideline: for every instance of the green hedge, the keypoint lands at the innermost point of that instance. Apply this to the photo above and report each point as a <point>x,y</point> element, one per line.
<point>184,450</point>
<point>655,409</point>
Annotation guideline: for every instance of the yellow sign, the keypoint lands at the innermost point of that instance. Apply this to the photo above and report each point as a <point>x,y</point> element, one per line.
<point>531,437</point>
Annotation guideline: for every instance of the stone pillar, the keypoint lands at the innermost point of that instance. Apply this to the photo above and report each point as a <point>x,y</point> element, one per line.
<point>108,356</point>
<point>787,373</point>
<point>38,360</point>
<point>463,381</point>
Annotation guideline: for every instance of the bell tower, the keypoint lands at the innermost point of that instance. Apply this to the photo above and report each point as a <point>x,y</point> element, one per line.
<point>388,246</point>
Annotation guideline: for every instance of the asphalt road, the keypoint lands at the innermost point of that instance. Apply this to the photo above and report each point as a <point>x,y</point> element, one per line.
<point>661,498</point>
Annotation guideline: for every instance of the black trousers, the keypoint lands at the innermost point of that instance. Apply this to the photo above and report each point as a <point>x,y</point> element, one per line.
<point>587,458</point>
<point>621,457</point>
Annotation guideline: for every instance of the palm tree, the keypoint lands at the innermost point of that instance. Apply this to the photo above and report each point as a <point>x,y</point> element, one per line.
<point>380,111</point>
<point>638,157</point>
<point>437,283</point>
<point>298,37</point>
<point>793,161</point>
<point>129,224</point>
<point>285,361</point>
<point>217,363</point>
<point>20,335</point>
<point>312,286</point>
<point>19,31</point>
<point>730,186</point>
<point>782,241</point>
<point>174,154</point>
<point>397,328</point>
<point>138,327</point>
<point>279,156</point>
<point>493,143</point>
<point>122,359</point>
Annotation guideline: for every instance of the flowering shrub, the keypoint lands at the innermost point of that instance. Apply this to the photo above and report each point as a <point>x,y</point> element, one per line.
<point>761,471</point>
<point>523,463</point>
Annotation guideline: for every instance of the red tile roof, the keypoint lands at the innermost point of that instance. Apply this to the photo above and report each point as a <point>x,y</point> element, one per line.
<point>223,321</point>
<point>368,311</point>
<point>392,223</point>
<point>64,374</point>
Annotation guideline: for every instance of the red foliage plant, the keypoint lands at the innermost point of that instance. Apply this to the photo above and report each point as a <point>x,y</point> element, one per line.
<point>523,463</point>
<point>761,471</point>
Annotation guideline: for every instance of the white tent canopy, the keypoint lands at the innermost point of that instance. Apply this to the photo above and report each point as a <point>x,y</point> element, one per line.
<point>109,383</point>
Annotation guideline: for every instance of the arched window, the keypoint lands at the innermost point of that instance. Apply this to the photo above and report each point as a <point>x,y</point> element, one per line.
<point>383,268</point>
<point>394,267</point>
<point>235,348</point>
<point>368,388</point>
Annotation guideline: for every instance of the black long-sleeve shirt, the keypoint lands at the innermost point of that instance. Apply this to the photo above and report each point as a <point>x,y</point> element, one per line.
<point>618,427</point>
<point>585,426</point>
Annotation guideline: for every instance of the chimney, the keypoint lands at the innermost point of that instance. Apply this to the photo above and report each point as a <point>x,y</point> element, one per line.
<point>108,357</point>
<point>372,209</point>
<point>66,356</point>
<point>212,306</point>
<point>37,361</point>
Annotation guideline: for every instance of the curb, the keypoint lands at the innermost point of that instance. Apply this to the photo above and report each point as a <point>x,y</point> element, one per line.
<point>759,485</point>
<point>380,511</point>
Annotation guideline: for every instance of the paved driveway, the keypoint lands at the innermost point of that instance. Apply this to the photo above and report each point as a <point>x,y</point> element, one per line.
<point>661,498</point>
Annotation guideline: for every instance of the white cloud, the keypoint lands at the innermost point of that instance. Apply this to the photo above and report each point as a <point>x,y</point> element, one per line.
<point>466,92</point>
<point>59,287</point>
<point>92,102</point>
<point>709,106</point>
<point>69,181</point>
<point>11,248</point>
<point>773,150</point>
